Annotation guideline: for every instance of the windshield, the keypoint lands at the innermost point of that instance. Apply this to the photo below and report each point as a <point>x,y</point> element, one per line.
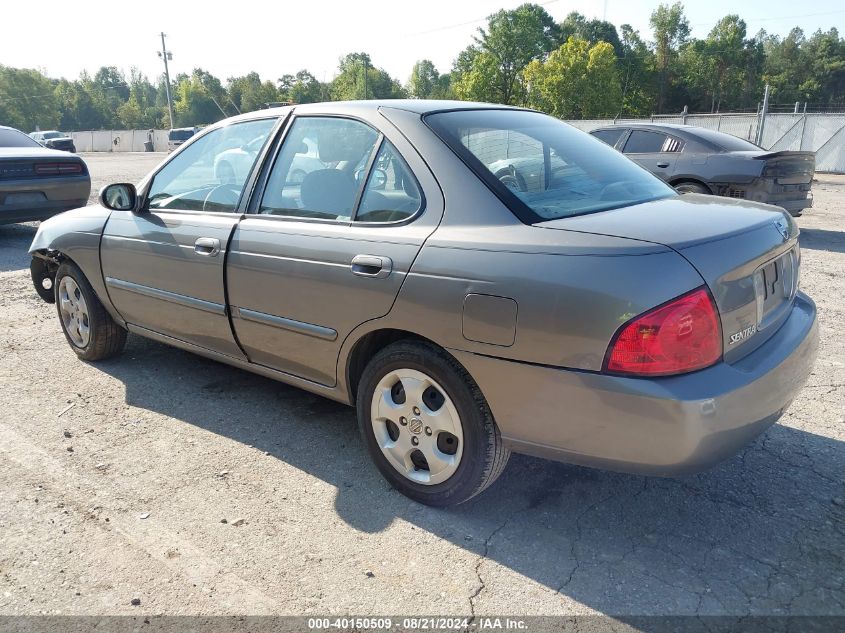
<point>53,135</point>
<point>542,168</point>
<point>13,138</point>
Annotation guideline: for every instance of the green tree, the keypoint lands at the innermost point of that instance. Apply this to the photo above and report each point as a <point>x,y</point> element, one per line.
<point>249,93</point>
<point>576,81</point>
<point>302,87</point>
<point>27,99</point>
<point>594,31</point>
<point>715,68</point>
<point>350,83</point>
<point>195,101</point>
<point>637,74</point>
<point>491,70</point>
<point>671,30</point>
<point>424,80</point>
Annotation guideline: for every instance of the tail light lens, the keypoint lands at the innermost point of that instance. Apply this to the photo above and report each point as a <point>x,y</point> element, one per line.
<point>56,169</point>
<point>680,336</point>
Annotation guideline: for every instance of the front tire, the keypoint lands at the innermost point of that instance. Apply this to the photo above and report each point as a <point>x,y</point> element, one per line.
<point>427,426</point>
<point>90,331</point>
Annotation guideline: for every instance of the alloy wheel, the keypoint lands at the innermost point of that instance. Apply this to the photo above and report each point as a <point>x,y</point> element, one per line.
<point>417,426</point>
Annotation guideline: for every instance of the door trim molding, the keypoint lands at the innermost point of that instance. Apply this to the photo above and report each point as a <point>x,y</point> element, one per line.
<point>165,295</point>
<point>300,327</point>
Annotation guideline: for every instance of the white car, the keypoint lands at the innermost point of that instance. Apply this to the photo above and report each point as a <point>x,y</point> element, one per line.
<point>233,165</point>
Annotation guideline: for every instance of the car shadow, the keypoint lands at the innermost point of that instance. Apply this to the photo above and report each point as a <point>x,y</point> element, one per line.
<point>822,240</point>
<point>762,533</point>
<point>14,244</point>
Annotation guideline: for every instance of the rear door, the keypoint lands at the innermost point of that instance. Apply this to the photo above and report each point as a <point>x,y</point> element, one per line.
<point>328,241</point>
<point>656,151</point>
<point>163,267</point>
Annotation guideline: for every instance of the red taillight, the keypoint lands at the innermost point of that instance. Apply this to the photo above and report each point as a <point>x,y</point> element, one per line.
<point>56,169</point>
<point>680,336</point>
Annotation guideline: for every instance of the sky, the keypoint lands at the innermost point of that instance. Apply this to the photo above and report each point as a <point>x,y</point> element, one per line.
<point>276,38</point>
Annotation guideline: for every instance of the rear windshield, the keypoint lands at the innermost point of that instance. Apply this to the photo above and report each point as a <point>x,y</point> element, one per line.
<point>180,135</point>
<point>13,138</point>
<point>542,168</point>
<point>725,141</point>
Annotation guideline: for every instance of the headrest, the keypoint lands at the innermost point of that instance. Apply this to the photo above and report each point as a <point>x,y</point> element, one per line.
<point>328,191</point>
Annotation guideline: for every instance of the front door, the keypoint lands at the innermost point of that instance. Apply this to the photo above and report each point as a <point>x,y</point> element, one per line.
<point>329,243</point>
<point>163,267</point>
<point>655,151</point>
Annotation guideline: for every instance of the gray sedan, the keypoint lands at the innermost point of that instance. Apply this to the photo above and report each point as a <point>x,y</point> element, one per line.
<point>37,182</point>
<point>592,316</point>
<point>697,160</point>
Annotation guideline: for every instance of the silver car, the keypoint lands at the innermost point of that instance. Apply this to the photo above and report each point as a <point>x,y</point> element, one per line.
<point>592,316</point>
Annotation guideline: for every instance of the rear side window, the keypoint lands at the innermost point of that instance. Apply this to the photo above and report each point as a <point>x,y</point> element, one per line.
<point>542,168</point>
<point>340,169</point>
<point>320,170</point>
<point>391,193</point>
<point>644,142</point>
<point>611,137</point>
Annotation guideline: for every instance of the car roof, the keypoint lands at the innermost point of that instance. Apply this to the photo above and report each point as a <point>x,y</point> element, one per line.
<point>677,129</point>
<point>418,106</point>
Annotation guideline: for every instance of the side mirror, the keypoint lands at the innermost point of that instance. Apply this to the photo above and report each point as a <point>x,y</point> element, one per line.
<point>119,197</point>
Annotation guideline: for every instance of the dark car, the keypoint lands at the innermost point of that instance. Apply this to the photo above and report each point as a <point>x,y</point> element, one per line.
<point>697,160</point>
<point>55,140</point>
<point>37,182</point>
<point>596,317</point>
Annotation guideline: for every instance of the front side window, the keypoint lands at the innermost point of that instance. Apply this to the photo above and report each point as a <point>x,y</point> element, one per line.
<point>542,168</point>
<point>210,174</point>
<point>320,170</point>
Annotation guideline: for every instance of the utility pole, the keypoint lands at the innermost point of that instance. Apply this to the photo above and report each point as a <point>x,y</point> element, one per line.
<point>165,55</point>
<point>365,78</point>
<point>763,112</point>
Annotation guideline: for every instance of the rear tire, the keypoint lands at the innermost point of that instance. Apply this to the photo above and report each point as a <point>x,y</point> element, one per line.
<point>90,331</point>
<point>691,187</point>
<point>443,447</point>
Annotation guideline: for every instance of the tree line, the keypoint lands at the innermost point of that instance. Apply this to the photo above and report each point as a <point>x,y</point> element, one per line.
<point>577,68</point>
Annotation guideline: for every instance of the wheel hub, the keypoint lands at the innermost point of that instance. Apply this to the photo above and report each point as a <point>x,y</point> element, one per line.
<point>417,426</point>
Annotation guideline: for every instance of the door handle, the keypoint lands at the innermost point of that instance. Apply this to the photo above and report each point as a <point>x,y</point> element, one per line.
<point>208,246</point>
<point>663,165</point>
<point>371,266</point>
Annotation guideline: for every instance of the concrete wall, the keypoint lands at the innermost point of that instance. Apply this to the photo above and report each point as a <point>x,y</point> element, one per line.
<point>119,140</point>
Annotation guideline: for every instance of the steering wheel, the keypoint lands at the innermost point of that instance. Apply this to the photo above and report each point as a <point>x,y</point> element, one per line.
<point>234,196</point>
<point>512,182</point>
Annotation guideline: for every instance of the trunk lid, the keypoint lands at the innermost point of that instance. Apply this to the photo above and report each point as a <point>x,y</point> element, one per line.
<point>785,167</point>
<point>747,253</point>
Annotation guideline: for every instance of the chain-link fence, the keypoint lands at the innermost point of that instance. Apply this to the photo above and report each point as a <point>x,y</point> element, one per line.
<point>822,133</point>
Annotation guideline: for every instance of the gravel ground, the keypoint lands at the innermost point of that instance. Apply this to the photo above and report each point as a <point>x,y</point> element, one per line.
<point>202,489</point>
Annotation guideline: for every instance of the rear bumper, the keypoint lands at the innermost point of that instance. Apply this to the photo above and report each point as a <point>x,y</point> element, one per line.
<point>795,205</point>
<point>664,426</point>
<point>47,197</point>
